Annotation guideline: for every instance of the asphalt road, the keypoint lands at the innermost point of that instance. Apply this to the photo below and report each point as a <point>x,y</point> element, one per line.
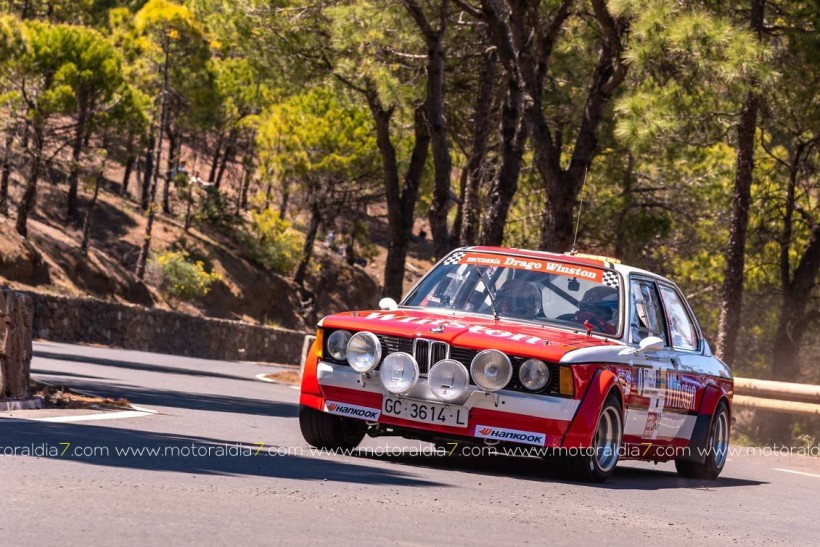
<point>190,492</point>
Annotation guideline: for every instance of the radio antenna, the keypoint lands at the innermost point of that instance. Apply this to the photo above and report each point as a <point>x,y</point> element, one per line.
<point>573,250</point>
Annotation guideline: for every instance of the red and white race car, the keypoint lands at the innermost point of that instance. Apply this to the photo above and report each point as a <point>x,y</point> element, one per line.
<point>587,359</point>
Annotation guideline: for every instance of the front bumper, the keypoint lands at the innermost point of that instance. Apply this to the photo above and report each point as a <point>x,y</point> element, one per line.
<point>539,420</point>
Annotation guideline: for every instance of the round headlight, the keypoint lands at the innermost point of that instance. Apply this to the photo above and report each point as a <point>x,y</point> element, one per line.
<point>448,379</point>
<point>364,351</point>
<point>534,374</point>
<point>337,344</point>
<point>491,370</point>
<point>399,373</point>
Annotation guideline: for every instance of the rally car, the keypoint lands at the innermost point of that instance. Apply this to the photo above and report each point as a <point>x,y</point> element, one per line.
<point>584,358</point>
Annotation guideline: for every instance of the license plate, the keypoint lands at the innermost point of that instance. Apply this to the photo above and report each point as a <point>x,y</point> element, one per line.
<point>426,412</point>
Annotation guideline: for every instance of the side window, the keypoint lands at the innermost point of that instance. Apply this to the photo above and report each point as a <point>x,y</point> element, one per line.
<point>683,331</point>
<point>646,315</point>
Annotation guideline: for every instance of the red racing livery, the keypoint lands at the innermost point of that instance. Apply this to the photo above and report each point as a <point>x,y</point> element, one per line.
<point>587,359</point>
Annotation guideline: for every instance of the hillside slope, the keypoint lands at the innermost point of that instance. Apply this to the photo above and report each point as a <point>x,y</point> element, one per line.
<point>51,261</point>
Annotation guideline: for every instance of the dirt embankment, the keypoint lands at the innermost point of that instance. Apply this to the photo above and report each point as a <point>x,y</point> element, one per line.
<point>50,261</point>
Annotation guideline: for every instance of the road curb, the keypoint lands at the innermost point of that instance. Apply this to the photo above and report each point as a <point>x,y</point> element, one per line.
<point>131,410</point>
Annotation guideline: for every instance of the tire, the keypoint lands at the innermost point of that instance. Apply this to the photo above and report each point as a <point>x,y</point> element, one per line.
<point>331,432</point>
<point>718,445</point>
<point>606,443</point>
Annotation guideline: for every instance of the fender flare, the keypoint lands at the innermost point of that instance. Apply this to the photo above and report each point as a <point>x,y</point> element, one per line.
<point>582,428</point>
<point>309,393</point>
<point>696,450</point>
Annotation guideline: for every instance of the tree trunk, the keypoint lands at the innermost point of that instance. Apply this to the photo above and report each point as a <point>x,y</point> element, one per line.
<point>793,324</point>
<point>90,212</point>
<point>16,322</point>
<point>249,164</point>
<point>401,202</point>
<point>148,173</point>
<point>307,250</point>
<point>459,220</point>
<point>627,204</point>
<point>215,161</point>
<point>30,194</point>
<point>525,41</point>
<point>145,249</point>
<point>564,185</point>
<point>230,150</point>
<point>189,205</point>
<point>74,172</point>
<point>505,183</point>
<point>794,321</point>
<point>732,291</point>
<point>440,206</point>
<point>283,206</point>
<point>476,164</point>
<point>173,163</point>
<point>731,298</point>
<point>126,178</point>
<point>5,175</point>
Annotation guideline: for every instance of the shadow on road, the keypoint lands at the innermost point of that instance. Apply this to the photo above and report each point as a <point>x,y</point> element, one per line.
<point>536,469</point>
<point>130,365</point>
<point>151,451</point>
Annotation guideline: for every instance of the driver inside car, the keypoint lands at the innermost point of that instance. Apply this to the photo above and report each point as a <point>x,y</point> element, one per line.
<point>519,299</point>
<point>599,306</point>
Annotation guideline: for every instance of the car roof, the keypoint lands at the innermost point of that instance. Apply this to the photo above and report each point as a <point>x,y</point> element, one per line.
<point>580,259</point>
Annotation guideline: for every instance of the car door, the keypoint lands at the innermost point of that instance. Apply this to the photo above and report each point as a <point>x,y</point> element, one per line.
<point>687,378</point>
<point>649,420</point>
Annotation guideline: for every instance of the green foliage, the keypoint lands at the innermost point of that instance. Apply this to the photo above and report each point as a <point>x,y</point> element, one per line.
<point>272,242</point>
<point>687,66</point>
<point>215,209</point>
<point>91,68</point>
<point>318,134</point>
<point>319,140</point>
<point>181,277</point>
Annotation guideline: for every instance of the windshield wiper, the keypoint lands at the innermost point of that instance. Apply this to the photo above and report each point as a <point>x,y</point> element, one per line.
<point>486,281</point>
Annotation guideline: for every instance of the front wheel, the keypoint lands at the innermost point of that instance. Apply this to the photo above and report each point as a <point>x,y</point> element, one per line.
<point>599,461</point>
<point>717,449</point>
<point>324,430</point>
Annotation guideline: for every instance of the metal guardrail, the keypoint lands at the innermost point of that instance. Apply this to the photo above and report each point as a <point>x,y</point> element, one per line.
<point>803,399</point>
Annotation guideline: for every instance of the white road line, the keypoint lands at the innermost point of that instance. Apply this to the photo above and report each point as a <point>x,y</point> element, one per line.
<point>98,416</point>
<point>263,375</point>
<point>804,474</point>
<point>144,409</point>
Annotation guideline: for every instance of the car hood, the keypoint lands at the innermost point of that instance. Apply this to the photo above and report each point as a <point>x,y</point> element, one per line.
<point>513,337</point>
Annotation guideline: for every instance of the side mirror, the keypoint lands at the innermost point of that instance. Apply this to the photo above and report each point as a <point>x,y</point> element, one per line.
<point>650,343</point>
<point>388,304</point>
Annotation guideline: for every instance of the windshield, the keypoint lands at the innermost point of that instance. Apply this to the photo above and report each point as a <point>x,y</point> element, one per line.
<point>523,288</point>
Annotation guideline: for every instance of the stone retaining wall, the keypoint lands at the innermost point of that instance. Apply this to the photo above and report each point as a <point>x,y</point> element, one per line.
<point>64,319</point>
